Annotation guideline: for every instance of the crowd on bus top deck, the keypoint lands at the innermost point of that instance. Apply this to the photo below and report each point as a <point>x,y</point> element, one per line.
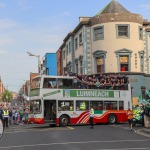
<point>101,81</point>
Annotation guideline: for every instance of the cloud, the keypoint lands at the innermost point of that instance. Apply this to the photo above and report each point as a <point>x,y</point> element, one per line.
<point>2,51</point>
<point>6,41</point>
<point>2,5</point>
<point>145,7</point>
<point>7,23</point>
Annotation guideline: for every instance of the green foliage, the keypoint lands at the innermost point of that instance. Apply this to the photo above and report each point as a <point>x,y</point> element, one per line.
<point>7,96</point>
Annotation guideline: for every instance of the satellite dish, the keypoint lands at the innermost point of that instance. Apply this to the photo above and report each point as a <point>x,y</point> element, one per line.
<point>1,128</point>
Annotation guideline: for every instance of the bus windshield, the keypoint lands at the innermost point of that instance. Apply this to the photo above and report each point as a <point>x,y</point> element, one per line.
<point>36,83</point>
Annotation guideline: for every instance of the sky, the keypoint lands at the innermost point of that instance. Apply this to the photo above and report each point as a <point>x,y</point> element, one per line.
<point>39,27</point>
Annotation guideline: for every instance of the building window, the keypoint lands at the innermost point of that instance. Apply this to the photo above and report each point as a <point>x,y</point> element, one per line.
<point>64,53</point>
<point>124,63</point>
<point>81,67</point>
<point>98,33</point>
<point>67,50</point>
<point>69,47</point>
<point>99,61</point>
<point>141,55</point>
<point>69,67</point>
<point>77,67</point>
<point>124,59</point>
<point>76,43</point>
<point>140,33</point>
<point>123,31</point>
<point>100,64</point>
<point>80,38</point>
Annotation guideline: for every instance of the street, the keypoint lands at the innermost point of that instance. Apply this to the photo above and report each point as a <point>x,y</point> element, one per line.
<point>102,137</point>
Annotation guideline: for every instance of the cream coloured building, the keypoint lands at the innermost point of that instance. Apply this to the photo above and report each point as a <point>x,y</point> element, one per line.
<point>114,40</point>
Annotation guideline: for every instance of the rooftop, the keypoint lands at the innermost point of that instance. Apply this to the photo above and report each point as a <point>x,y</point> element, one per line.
<point>113,7</point>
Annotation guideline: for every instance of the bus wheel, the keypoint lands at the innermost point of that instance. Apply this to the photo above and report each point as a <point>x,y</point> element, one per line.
<point>112,119</point>
<point>64,120</point>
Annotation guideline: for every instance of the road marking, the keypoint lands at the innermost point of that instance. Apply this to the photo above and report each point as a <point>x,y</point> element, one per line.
<point>71,128</point>
<point>126,149</point>
<point>85,142</point>
<point>119,126</point>
<point>37,129</point>
<point>144,134</point>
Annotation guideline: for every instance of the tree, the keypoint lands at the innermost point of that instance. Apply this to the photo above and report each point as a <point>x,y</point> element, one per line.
<point>6,96</point>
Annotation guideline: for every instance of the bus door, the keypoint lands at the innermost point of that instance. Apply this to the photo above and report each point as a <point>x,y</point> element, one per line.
<point>49,111</point>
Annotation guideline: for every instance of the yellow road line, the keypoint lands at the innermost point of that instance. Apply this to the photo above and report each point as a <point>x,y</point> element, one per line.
<point>70,128</point>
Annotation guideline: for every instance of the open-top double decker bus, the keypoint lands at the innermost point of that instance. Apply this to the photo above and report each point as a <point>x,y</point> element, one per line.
<point>54,100</point>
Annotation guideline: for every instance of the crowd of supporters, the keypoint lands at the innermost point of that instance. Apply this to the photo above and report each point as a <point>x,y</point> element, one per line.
<point>101,81</point>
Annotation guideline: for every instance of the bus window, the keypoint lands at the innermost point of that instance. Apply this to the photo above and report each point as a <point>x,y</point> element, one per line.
<point>37,106</point>
<point>31,106</point>
<point>121,105</point>
<point>49,83</point>
<point>65,106</point>
<point>110,105</point>
<point>67,83</point>
<point>35,83</point>
<point>97,105</point>
<point>82,105</point>
<point>60,83</point>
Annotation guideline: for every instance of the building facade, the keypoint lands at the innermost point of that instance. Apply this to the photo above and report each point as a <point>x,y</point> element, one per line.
<point>59,62</point>
<point>115,40</point>
<point>49,64</point>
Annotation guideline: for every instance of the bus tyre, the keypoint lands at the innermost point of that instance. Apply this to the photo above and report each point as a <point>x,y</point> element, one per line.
<point>112,119</point>
<point>64,120</point>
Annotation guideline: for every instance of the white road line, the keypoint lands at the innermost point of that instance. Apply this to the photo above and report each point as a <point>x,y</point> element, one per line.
<point>119,126</point>
<point>143,134</point>
<point>68,143</point>
<point>126,149</point>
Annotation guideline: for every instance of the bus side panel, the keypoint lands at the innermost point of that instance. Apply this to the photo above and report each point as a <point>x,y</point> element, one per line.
<point>121,116</point>
<point>57,121</point>
<point>39,120</point>
<point>84,117</point>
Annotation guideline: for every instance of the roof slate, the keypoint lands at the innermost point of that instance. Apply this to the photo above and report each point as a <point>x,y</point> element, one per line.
<point>113,7</point>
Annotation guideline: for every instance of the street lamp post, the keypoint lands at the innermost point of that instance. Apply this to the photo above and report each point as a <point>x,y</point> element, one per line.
<point>38,56</point>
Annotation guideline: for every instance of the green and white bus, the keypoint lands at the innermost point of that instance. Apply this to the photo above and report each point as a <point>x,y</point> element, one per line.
<point>61,104</point>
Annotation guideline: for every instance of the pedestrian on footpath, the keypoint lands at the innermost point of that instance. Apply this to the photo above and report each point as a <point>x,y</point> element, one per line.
<point>20,112</point>
<point>130,118</point>
<point>5,116</point>
<point>10,117</point>
<point>13,114</point>
<point>16,117</point>
<point>91,117</point>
